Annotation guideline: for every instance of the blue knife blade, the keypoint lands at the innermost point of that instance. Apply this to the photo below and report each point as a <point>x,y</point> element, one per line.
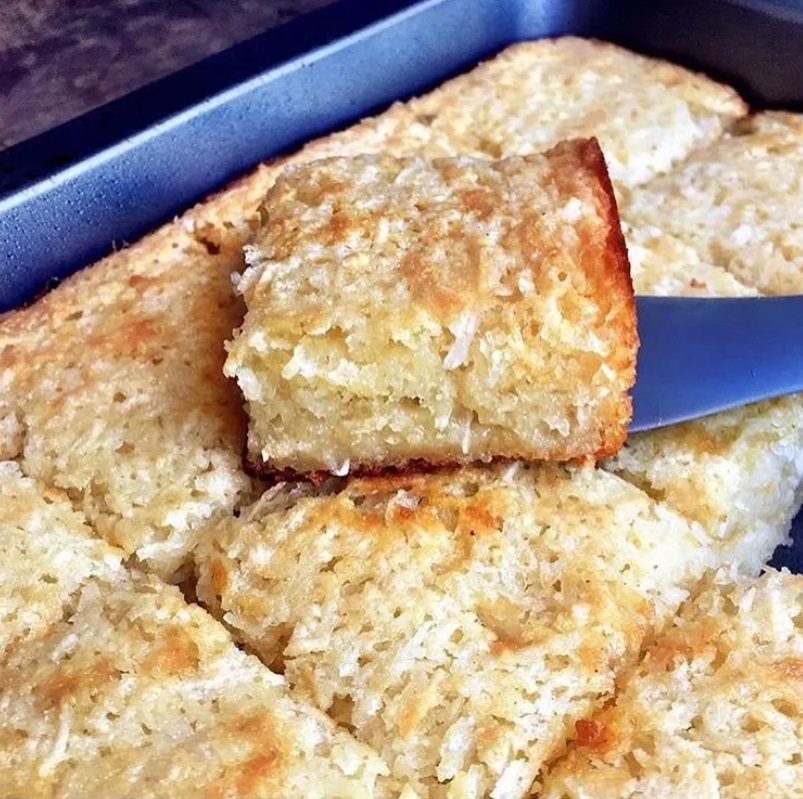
<point>700,356</point>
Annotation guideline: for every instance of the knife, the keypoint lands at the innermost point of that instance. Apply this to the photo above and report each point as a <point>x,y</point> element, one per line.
<point>700,356</point>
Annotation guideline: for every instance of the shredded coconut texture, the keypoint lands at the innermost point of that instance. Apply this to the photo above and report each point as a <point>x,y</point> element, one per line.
<point>714,710</point>
<point>459,623</point>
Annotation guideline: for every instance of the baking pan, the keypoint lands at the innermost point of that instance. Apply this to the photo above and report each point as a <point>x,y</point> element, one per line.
<point>69,196</point>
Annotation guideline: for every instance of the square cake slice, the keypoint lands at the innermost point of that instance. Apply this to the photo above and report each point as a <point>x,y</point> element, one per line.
<point>405,311</point>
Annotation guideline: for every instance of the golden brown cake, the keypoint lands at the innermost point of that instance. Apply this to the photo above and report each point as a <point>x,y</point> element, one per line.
<point>112,686</point>
<point>460,623</point>
<point>148,323</point>
<point>440,312</point>
<point>112,397</point>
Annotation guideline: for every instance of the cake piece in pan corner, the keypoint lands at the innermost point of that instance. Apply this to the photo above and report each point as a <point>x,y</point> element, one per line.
<point>739,473</point>
<point>111,390</point>
<point>715,709</point>
<point>647,113</point>
<point>404,311</point>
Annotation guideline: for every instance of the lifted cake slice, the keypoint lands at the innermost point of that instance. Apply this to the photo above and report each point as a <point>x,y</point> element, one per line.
<point>401,310</point>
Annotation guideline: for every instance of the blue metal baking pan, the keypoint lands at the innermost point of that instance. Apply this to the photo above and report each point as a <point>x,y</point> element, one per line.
<point>69,196</point>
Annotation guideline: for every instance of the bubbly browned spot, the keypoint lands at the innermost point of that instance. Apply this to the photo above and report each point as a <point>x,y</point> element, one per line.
<point>219,576</point>
<point>255,771</point>
<point>258,769</point>
<point>176,653</point>
<point>593,733</point>
<point>74,682</point>
<point>704,440</point>
<point>789,669</point>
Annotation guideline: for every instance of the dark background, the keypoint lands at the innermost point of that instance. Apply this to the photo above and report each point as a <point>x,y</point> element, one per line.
<point>59,58</point>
